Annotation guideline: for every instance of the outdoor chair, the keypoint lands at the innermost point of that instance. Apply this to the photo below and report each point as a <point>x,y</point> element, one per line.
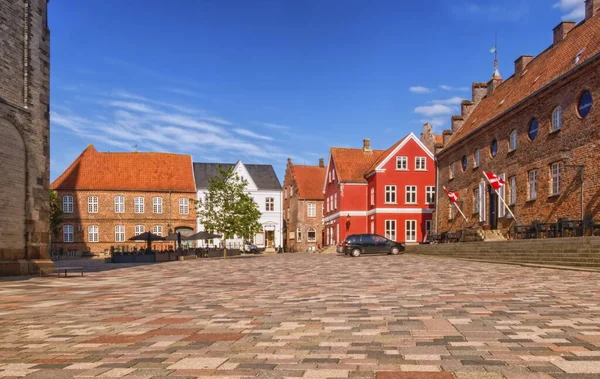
<point>566,227</point>
<point>520,231</point>
<point>590,225</point>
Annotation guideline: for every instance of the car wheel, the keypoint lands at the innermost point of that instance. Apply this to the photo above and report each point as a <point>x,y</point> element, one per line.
<point>395,251</point>
<point>355,253</point>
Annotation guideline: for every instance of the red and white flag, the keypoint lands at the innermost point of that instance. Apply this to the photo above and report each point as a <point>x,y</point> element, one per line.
<point>494,180</point>
<point>453,196</point>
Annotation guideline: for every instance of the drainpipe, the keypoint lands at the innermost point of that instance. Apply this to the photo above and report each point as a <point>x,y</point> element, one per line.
<point>437,192</point>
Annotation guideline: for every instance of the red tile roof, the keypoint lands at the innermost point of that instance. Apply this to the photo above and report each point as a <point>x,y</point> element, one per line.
<point>309,180</point>
<point>128,171</point>
<point>351,165</point>
<point>546,67</point>
<point>439,139</point>
<point>384,155</point>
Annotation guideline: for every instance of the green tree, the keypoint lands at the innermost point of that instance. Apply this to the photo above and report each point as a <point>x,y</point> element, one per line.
<point>56,213</point>
<point>228,209</point>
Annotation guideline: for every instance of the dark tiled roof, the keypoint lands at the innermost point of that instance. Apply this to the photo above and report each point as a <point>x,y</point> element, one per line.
<point>263,175</point>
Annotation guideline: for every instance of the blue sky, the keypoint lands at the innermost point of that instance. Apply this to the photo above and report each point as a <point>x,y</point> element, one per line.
<point>264,80</point>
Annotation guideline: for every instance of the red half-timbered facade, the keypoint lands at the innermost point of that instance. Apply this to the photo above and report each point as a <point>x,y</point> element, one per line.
<point>387,192</point>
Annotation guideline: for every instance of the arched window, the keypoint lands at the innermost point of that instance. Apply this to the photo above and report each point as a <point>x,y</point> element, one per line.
<point>556,119</point>
<point>464,162</point>
<point>476,158</point>
<point>494,147</point>
<point>311,235</point>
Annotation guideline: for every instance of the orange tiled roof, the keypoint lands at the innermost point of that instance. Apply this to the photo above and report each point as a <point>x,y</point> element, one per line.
<point>351,165</point>
<point>384,155</point>
<point>549,65</point>
<point>128,171</point>
<point>439,139</point>
<point>309,180</point>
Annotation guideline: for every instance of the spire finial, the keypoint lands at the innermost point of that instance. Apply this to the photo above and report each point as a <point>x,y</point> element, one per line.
<point>496,74</point>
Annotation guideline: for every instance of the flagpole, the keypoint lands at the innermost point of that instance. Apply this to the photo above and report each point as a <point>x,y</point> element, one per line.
<point>461,213</point>
<point>500,197</point>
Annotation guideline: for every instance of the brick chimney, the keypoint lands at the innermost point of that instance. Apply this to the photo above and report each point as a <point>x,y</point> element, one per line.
<point>493,84</point>
<point>478,91</point>
<point>561,30</point>
<point>466,107</point>
<point>592,8</point>
<point>522,62</point>
<point>457,122</point>
<point>446,135</point>
<point>321,162</point>
<point>367,145</point>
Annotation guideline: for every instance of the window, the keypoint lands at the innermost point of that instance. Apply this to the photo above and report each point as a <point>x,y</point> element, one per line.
<point>120,233</point>
<point>390,229</point>
<point>390,194</point>
<point>411,195</point>
<point>482,187</point>
<point>494,148</point>
<point>288,213</point>
<point>311,209</point>
<point>311,235</point>
<point>68,233</point>
<point>92,204</point>
<point>333,175</point>
<point>464,162</point>
<point>555,178</point>
<point>585,104</point>
<point>335,201</point>
<point>157,229</point>
<point>428,227</point>
<point>476,160</point>
<point>430,194</point>
<point>476,201</point>
<point>401,163</point>
<point>285,193</point>
<point>502,198</point>
<point>451,170</point>
<point>512,142</point>
<point>68,204</point>
<point>270,204</point>
<point>533,129</point>
<point>420,164</point>
<point>372,195</point>
<point>138,204</point>
<point>328,206</point>
<point>512,187</point>
<point>93,233</point>
<point>556,119</point>
<point>184,206</point>
<point>411,231</point>
<point>119,204</point>
<point>299,235</point>
<point>157,205</point>
<point>139,229</point>
<point>532,184</point>
<point>450,212</point>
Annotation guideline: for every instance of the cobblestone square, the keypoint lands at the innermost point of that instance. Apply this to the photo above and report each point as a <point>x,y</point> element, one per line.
<point>304,315</point>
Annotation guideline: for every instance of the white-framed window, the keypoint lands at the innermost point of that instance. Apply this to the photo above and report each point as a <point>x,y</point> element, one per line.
<point>532,185</point>
<point>402,163</point>
<point>372,195</point>
<point>513,140</point>
<point>333,175</point>
<point>428,227</point>
<point>476,158</point>
<point>119,233</point>
<point>411,231</point>
<point>390,229</point>
<point>482,187</point>
<point>311,235</point>
<point>512,187</point>
<point>184,206</point>
<point>502,200</point>
<point>157,205</point>
<point>328,205</point>
<point>68,235</point>
<point>420,164</point>
<point>556,119</point>
<point>410,195</point>
<point>288,213</point>
<point>93,233</point>
<point>390,194</point>
<point>92,204</point>
<point>67,204</point>
<point>476,201</point>
<point>119,204</point>
<point>311,209</point>
<point>270,204</point>
<point>451,171</point>
<point>139,229</point>
<point>138,204</point>
<point>157,229</point>
<point>335,201</point>
<point>430,194</point>
<point>555,178</point>
<point>450,212</point>
<point>298,235</point>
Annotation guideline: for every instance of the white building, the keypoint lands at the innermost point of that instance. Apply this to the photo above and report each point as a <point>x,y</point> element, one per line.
<point>264,187</point>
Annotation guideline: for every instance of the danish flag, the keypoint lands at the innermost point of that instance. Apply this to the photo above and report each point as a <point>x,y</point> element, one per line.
<point>494,180</point>
<point>453,196</point>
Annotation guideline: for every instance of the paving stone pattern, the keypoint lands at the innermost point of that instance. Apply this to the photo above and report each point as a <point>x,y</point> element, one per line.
<point>303,315</point>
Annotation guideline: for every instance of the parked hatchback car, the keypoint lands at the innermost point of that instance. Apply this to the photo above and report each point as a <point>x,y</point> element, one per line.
<point>357,244</point>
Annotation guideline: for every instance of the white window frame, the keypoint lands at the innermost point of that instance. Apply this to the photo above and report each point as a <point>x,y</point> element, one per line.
<point>67,204</point>
<point>451,170</point>
<point>139,229</point>
<point>476,201</point>
<point>184,206</point>
<point>270,204</point>
<point>420,164</point>
<point>138,204</point>
<point>428,224</point>
<point>372,195</point>
<point>512,185</point>
<point>308,238</point>
<point>328,206</point>
<point>119,204</point>
<point>93,233</point>
<point>390,230</point>
<point>430,195</point>
<point>555,178</point>
<point>68,233</point>
<point>532,184</point>
<point>335,201</point>
<point>410,194</point>
<point>476,158</point>
<point>556,124</point>
<point>482,189</point>
<point>298,235</point>
<point>158,230</point>
<point>450,211</point>
<point>513,140</point>
<point>401,163</point>
<point>157,205</point>
<point>390,195</point>
<point>411,230</point>
<point>92,204</point>
<point>333,175</point>
<point>311,210</point>
<point>119,233</point>
<point>502,198</point>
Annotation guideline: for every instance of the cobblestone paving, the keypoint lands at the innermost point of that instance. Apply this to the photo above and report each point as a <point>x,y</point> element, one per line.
<point>301,315</point>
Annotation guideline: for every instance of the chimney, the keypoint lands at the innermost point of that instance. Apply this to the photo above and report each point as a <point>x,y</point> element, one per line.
<point>561,30</point>
<point>446,135</point>
<point>457,122</point>
<point>478,91</point>
<point>592,7</point>
<point>289,161</point>
<point>493,84</point>
<point>367,145</point>
<point>522,62</point>
<point>321,162</point>
<point>466,107</point>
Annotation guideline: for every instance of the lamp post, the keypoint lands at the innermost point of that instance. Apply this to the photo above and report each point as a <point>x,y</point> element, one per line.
<point>566,156</point>
<point>348,223</point>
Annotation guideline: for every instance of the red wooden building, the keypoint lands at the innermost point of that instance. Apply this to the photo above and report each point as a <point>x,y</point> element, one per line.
<point>390,193</point>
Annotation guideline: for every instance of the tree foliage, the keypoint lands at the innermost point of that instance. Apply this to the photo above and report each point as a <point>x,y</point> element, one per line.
<point>228,209</point>
<point>56,213</point>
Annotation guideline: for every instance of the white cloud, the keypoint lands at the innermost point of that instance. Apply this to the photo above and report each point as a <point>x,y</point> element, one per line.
<point>571,9</point>
<point>251,134</point>
<point>450,88</point>
<point>436,122</point>
<point>434,110</point>
<point>451,101</point>
<point>132,106</point>
<point>513,11</point>
<point>419,89</point>
<point>189,122</point>
<point>274,126</point>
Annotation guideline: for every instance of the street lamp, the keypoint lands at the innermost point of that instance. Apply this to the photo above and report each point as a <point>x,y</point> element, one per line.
<point>566,156</point>
<point>348,223</point>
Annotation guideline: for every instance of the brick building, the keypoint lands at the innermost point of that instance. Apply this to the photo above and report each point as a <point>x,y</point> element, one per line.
<point>303,206</point>
<point>538,129</point>
<point>24,136</point>
<point>390,193</point>
<point>109,197</point>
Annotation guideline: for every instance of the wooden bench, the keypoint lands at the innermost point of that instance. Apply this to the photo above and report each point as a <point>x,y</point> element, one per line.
<point>58,270</point>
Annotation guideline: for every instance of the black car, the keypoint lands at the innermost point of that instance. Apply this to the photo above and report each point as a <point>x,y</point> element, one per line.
<point>357,244</point>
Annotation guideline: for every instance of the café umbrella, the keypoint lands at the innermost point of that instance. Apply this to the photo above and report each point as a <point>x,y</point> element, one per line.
<point>175,237</point>
<point>148,237</point>
<point>202,236</point>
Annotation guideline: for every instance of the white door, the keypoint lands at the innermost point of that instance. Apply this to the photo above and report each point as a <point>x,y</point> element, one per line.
<point>411,231</point>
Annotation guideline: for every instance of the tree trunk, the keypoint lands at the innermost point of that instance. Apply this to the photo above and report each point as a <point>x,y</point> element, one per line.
<point>224,251</point>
